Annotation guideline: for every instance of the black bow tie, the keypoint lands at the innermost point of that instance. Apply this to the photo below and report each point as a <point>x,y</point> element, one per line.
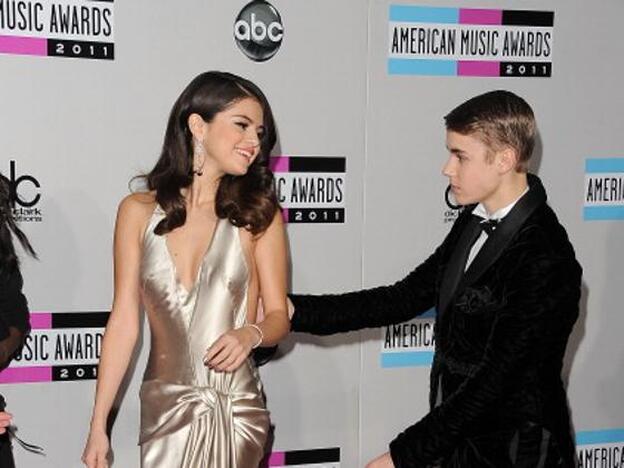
<point>489,225</point>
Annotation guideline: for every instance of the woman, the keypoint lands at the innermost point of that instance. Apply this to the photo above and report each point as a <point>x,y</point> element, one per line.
<point>198,250</point>
<point>14,322</point>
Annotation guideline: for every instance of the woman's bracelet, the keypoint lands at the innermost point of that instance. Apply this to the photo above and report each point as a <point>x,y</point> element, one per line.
<point>260,334</point>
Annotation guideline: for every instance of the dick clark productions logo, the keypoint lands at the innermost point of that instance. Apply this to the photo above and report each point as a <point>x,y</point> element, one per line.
<point>258,30</point>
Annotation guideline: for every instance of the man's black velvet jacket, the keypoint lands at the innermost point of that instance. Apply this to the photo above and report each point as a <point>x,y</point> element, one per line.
<point>501,333</point>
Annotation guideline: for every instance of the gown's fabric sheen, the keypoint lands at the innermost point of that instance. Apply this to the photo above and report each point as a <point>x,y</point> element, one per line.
<point>192,416</point>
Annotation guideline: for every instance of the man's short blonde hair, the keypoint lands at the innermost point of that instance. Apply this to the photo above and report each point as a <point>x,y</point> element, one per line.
<point>500,119</point>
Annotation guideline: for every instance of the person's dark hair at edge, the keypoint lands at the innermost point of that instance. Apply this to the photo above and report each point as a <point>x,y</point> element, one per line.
<point>499,118</point>
<point>246,201</point>
<point>8,258</point>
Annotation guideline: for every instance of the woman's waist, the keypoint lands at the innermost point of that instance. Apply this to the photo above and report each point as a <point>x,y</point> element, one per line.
<point>197,374</point>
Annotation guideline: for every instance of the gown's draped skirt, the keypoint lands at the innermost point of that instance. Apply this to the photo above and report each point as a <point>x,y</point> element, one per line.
<point>192,416</point>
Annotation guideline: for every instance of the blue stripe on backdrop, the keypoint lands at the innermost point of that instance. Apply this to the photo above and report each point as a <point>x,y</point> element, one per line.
<point>603,165</point>
<point>603,213</point>
<point>422,67</point>
<point>420,14</point>
<point>407,359</point>
<point>606,436</point>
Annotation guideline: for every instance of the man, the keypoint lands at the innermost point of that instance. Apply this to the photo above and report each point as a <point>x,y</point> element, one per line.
<point>506,287</point>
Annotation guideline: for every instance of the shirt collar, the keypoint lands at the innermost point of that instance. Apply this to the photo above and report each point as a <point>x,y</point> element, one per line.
<point>498,214</point>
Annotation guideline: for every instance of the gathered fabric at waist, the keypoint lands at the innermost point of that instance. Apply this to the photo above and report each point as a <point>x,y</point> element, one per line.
<point>168,406</point>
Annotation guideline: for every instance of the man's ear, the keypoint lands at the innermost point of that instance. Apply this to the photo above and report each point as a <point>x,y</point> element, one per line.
<point>506,160</point>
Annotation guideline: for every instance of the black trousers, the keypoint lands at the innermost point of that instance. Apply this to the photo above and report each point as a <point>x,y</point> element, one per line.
<point>6,453</point>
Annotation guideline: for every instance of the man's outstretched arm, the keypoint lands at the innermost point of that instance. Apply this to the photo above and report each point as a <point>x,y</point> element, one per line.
<point>386,305</point>
<point>334,313</point>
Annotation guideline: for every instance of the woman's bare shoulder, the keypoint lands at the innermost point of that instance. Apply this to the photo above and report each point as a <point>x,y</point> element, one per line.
<point>137,206</point>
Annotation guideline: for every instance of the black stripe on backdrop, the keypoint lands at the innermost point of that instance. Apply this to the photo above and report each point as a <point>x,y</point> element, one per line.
<point>528,18</point>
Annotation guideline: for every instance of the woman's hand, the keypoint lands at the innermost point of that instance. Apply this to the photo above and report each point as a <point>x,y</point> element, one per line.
<point>5,421</point>
<point>231,349</point>
<point>96,452</point>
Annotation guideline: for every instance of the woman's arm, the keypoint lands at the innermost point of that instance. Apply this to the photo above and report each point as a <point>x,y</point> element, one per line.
<point>231,349</point>
<point>122,328</point>
<point>272,263</point>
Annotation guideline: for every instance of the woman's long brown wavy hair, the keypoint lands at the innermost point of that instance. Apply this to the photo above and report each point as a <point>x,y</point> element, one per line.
<point>247,201</point>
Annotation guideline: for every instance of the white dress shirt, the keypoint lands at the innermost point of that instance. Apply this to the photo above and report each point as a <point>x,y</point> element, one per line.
<point>482,213</point>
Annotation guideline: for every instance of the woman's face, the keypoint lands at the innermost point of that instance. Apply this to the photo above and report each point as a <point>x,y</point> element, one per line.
<point>232,139</point>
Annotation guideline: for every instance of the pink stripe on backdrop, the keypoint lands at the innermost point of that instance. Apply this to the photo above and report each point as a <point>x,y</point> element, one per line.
<point>279,164</point>
<point>480,16</point>
<point>477,68</point>
<point>40,320</point>
<point>23,45</point>
<point>26,375</point>
<point>277,459</point>
<point>285,215</point>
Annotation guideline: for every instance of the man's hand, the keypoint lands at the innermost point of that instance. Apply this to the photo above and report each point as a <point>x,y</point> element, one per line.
<point>383,461</point>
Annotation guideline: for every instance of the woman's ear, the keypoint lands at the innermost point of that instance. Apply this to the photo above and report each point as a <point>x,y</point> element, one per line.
<point>196,125</point>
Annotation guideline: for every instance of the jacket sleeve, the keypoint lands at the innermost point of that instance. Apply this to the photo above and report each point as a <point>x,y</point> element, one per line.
<point>536,317</point>
<point>385,305</point>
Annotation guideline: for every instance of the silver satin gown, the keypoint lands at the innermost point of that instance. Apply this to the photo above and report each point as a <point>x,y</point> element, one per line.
<point>192,416</point>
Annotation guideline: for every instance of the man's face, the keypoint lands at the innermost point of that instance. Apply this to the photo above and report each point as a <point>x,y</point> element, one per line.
<point>472,177</point>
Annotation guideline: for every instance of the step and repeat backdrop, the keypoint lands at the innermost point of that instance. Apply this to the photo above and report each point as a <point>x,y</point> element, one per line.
<point>359,90</point>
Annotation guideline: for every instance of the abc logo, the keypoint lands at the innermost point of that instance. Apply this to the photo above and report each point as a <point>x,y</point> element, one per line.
<point>258,30</point>
<point>31,185</point>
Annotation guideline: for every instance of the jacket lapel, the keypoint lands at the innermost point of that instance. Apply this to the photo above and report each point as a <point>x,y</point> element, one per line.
<point>454,278</point>
<point>499,240</point>
<point>455,267</point>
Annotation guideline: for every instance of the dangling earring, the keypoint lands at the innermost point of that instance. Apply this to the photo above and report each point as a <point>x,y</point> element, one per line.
<point>198,152</point>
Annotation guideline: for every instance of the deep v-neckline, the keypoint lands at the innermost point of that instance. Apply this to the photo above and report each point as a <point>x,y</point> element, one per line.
<point>202,260</point>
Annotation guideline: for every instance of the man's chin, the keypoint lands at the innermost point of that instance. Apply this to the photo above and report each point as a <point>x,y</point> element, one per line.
<point>462,200</point>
